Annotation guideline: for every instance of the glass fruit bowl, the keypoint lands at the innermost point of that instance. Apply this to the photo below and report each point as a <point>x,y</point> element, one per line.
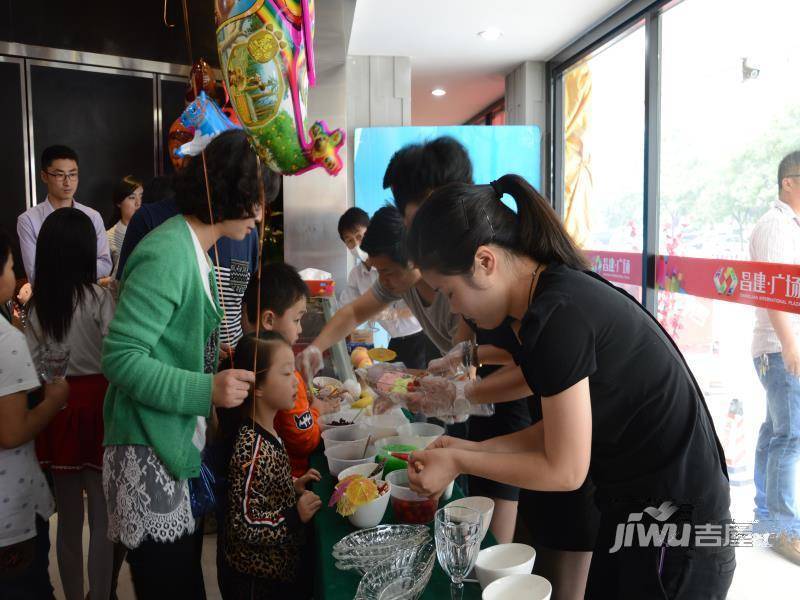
<point>403,576</point>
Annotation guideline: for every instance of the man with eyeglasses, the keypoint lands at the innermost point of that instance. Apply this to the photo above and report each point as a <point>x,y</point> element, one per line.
<point>59,172</point>
<point>776,354</point>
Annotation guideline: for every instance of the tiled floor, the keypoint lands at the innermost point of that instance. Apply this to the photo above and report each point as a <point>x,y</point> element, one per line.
<point>125,588</point>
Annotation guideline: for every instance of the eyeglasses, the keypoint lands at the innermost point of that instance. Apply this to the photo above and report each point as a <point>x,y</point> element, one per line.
<point>60,177</point>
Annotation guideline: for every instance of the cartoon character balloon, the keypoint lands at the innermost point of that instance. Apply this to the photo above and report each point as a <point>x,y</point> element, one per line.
<point>207,120</point>
<point>266,54</point>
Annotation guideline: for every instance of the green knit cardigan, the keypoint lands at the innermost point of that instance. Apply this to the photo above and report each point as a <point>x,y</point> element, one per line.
<point>153,356</point>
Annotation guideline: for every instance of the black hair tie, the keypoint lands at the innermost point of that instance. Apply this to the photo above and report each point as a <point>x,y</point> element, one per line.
<point>498,188</point>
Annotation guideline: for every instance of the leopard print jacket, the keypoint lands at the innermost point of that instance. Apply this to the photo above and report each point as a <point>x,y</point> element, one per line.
<point>263,529</point>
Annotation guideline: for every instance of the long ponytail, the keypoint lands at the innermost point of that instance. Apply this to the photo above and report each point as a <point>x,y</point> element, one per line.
<point>458,218</point>
<point>542,236</point>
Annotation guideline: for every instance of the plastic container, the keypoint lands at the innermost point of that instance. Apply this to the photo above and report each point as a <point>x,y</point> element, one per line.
<point>345,435</point>
<point>348,414</point>
<point>427,432</point>
<point>408,506</point>
<point>320,288</point>
<point>392,463</point>
<point>342,457</point>
<point>384,425</point>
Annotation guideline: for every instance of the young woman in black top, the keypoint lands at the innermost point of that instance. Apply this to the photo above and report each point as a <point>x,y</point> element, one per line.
<point>618,400</point>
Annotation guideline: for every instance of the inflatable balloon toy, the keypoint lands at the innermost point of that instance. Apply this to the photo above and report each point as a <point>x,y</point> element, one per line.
<point>266,55</point>
<point>201,78</point>
<point>178,135</point>
<point>207,121</point>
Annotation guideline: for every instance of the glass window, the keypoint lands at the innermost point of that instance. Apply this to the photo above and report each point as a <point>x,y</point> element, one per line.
<point>603,133</point>
<point>730,111</point>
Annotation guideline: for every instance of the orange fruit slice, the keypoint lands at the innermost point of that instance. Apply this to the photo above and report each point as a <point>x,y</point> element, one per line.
<point>361,491</point>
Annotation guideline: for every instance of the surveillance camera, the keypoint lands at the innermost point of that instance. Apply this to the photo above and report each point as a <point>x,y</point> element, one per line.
<point>749,72</point>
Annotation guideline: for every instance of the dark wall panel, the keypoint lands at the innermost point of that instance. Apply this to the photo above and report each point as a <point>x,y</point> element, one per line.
<point>106,118</point>
<point>12,167</point>
<point>172,104</point>
<point>133,29</point>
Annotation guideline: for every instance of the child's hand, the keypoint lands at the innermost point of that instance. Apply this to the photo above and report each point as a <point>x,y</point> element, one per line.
<point>307,505</point>
<point>57,392</point>
<point>301,482</point>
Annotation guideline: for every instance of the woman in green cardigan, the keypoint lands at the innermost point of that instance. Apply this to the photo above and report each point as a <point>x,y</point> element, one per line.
<point>160,359</point>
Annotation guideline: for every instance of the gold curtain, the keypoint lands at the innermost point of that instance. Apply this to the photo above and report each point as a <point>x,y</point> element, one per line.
<point>577,157</point>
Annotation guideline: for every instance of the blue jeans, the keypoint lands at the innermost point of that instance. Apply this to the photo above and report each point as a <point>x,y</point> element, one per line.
<point>778,447</point>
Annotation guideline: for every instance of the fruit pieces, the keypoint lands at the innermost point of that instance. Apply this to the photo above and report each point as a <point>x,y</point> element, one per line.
<point>418,512</point>
<point>364,401</point>
<point>395,382</point>
<point>358,355</point>
<point>339,489</point>
<point>354,492</point>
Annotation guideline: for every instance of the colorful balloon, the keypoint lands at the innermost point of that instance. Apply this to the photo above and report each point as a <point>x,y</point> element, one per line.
<point>207,120</point>
<point>266,55</point>
<point>177,136</point>
<point>201,78</point>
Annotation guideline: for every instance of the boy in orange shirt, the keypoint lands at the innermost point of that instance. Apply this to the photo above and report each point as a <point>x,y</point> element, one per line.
<point>283,304</point>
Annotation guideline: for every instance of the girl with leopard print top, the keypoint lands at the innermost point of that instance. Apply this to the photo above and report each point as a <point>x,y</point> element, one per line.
<point>266,509</point>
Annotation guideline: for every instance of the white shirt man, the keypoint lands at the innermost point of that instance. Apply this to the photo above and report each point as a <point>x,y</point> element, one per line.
<point>60,175</point>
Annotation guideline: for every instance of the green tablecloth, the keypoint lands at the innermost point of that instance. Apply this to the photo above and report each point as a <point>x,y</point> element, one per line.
<point>332,584</point>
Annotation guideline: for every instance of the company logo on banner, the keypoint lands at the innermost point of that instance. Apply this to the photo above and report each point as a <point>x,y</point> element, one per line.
<point>619,267</point>
<point>725,280</point>
<point>774,286</point>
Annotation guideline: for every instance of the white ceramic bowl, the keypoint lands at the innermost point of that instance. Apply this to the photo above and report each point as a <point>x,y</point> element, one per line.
<point>351,435</point>
<point>381,426</point>
<point>481,504</point>
<point>371,514</point>
<point>519,587</point>
<point>348,414</point>
<point>342,457</point>
<point>364,469</point>
<point>427,432</point>
<point>503,560</point>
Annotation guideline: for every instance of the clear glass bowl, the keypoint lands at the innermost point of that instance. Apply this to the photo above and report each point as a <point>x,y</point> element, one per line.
<point>403,576</point>
<point>378,542</point>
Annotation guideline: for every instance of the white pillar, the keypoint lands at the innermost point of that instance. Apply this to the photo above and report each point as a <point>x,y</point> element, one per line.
<point>378,95</point>
<point>526,104</point>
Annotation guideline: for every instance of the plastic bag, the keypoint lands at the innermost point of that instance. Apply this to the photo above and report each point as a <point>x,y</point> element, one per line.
<point>443,398</point>
<point>201,492</point>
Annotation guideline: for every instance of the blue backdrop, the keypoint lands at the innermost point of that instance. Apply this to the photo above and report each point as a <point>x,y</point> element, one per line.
<point>494,151</point>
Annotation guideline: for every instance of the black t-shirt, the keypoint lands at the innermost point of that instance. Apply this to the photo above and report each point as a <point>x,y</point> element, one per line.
<point>652,436</point>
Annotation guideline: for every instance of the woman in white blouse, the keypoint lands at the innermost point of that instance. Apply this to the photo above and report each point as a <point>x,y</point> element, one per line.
<point>127,200</point>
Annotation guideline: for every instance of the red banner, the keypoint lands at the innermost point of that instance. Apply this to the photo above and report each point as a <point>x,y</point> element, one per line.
<point>619,267</point>
<point>767,285</point>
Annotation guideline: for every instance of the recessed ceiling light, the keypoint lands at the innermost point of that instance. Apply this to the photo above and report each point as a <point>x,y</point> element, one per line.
<point>491,34</point>
<point>438,92</point>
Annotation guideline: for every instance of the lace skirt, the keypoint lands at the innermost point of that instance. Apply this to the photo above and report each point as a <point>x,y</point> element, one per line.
<point>144,500</point>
